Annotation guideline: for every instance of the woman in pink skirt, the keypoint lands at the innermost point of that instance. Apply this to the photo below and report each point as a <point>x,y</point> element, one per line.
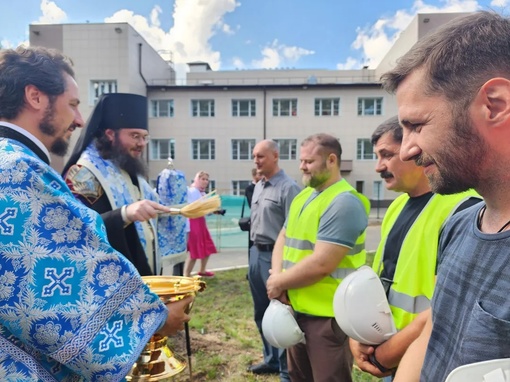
<point>200,243</point>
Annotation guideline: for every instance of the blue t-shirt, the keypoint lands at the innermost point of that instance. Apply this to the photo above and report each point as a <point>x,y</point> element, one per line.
<point>471,305</point>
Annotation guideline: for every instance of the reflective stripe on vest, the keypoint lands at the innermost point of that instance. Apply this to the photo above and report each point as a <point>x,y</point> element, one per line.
<point>413,283</point>
<point>410,304</point>
<point>301,235</point>
<point>339,273</point>
<point>306,245</point>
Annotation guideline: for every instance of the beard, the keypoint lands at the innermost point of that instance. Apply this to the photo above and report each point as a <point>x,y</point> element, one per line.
<point>46,126</point>
<point>316,179</point>
<point>123,159</point>
<point>462,145</point>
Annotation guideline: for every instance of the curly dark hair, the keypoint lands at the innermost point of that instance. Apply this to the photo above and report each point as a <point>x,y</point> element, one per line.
<point>41,67</point>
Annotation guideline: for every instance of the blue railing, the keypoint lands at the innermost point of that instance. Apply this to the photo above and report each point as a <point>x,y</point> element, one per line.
<point>224,229</point>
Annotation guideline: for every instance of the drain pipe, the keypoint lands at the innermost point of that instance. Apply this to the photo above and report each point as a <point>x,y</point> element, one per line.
<point>145,82</point>
<point>140,63</point>
<point>265,116</point>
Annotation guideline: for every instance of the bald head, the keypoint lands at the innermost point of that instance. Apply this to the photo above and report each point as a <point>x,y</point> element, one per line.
<point>265,156</point>
<point>269,145</point>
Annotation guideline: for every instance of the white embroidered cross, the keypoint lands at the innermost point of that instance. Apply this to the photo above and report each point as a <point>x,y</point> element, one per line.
<point>57,281</point>
<point>6,228</point>
<point>111,337</point>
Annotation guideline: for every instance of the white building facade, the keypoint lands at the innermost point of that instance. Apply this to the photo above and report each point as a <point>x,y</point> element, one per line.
<point>213,122</point>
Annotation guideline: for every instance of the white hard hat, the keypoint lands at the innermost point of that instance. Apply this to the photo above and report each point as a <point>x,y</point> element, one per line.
<point>280,327</point>
<point>494,370</point>
<point>361,308</point>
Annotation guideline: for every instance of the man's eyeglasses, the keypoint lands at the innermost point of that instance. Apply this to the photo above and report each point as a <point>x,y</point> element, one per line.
<point>139,137</point>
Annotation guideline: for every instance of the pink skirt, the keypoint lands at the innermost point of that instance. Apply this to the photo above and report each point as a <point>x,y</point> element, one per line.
<point>200,243</point>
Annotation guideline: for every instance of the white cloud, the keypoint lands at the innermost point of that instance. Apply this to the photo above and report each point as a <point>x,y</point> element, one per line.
<point>227,29</point>
<point>7,44</point>
<point>374,41</point>
<point>195,23</point>
<point>238,63</point>
<point>294,53</point>
<point>499,3</point>
<point>350,63</point>
<point>155,15</point>
<point>276,55</point>
<point>51,13</point>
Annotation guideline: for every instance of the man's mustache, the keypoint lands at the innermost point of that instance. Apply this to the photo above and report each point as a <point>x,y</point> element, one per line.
<point>386,175</point>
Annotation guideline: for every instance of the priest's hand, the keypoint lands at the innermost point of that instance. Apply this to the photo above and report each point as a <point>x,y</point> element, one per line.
<point>177,316</point>
<point>143,210</point>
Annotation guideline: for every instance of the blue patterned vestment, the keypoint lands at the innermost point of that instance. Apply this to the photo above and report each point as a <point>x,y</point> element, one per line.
<point>172,190</point>
<point>114,184</point>
<point>71,307</point>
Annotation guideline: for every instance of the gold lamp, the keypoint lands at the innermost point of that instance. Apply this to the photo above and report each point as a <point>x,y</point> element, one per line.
<point>158,362</point>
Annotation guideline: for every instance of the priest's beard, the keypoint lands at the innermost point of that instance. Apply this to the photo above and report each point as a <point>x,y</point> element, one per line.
<point>122,158</point>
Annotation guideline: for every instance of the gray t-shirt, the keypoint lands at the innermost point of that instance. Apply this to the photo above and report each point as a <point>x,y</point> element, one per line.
<point>471,303</point>
<point>269,207</point>
<point>343,221</point>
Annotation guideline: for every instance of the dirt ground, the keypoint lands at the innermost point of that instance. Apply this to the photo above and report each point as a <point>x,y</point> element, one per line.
<point>227,366</point>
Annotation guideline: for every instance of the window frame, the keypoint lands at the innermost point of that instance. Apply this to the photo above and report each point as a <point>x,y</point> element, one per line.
<point>236,107</point>
<point>211,149</point>
<point>239,186</point>
<point>280,107</point>
<point>203,108</point>
<point>378,106</point>
<point>94,95</point>
<point>361,149</point>
<point>154,149</point>
<point>251,145</point>
<point>157,113</point>
<point>319,109</point>
<point>292,142</point>
<point>211,186</point>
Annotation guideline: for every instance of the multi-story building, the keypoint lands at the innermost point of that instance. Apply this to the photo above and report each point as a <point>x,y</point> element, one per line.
<point>213,122</point>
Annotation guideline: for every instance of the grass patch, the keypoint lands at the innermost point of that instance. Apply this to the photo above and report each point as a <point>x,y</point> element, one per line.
<point>224,338</point>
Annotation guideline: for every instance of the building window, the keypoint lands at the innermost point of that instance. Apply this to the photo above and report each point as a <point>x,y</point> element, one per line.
<point>327,106</point>
<point>202,108</point>
<point>365,149</point>
<point>370,106</point>
<point>285,107</point>
<point>360,186</point>
<point>211,186</point>
<point>162,108</point>
<point>98,88</point>
<point>238,187</point>
<point>288,148</point>
<point>203,149</point>
<point>242,149</point>
<point>378,190</point>
<point>162,149</point>
<point>243,108</point>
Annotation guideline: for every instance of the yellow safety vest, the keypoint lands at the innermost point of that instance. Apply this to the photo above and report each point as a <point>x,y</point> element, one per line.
<point>301,235</point>
<point>414,279</point>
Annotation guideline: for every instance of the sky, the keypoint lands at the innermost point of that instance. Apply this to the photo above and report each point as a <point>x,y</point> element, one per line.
<point>246,34</point>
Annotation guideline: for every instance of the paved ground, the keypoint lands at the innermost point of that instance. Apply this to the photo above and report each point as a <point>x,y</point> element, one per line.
<point>229,258</point>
